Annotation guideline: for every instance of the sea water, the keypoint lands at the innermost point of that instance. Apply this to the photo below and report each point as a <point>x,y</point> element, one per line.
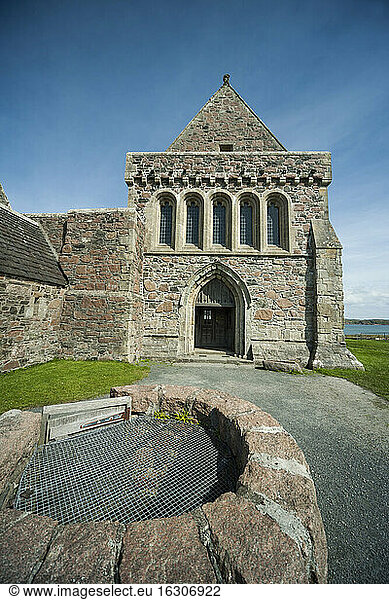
<point>351,329</point>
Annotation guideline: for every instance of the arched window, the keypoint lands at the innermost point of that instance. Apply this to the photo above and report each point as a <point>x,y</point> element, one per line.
<point>219,222</point>
<point>193,222</point>
<point>166,223</point>
<point>273,224</point>
<point>246,223</point>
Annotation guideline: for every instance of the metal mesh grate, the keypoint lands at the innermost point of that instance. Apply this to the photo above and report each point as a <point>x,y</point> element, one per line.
<point>130,471</point>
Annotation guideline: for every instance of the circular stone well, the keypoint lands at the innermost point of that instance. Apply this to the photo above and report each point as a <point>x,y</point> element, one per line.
<point>262,525</point>
<point>147,468</point>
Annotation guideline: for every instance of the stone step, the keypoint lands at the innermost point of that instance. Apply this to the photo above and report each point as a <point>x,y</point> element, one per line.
<point>214,358</point>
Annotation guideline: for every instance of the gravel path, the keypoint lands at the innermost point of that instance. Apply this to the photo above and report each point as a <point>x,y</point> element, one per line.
<point>343,431</point>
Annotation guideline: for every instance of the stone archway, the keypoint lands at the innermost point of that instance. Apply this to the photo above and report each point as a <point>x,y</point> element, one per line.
<point>215,317</point>
<point>235,294</point>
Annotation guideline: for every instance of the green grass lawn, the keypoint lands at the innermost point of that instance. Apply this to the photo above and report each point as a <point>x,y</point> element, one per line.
<point>64,381</point>
<point>374,355</point>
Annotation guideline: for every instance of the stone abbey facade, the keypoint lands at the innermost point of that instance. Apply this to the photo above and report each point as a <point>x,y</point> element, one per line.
<point>225,245</point>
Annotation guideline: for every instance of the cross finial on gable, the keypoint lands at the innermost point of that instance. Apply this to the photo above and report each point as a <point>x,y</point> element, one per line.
<point>226,79</point>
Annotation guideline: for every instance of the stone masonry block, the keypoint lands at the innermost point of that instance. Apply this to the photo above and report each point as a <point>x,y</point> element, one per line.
<point>264,314</point>
<point>278,444</point>
<point>24,540</point>
<point>176,398</point>
<point>251,546</point>
<point>171,552</point>
<point>293,493</point>
<point>19,432</point>
<point>82,553</point>
<point>166,306</point>
<point>144,397</point>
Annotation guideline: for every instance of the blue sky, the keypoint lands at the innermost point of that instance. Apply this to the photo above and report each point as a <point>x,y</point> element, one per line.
<point>84,82</point>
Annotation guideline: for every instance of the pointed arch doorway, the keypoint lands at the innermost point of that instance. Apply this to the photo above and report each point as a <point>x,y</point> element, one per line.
<point>198,296</point>
<point>215,317</point>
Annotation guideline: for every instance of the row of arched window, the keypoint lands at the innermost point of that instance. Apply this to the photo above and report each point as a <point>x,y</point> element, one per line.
<point>248,223</point>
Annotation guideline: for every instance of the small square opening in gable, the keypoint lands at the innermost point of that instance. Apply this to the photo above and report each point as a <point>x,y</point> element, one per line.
<point>226,147</point>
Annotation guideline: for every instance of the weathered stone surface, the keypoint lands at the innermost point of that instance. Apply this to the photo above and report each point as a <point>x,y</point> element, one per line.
<point>275,444</point>
<point>293,493</point>
<point>251,546</point>
<point>3,198</point>
<point>176,398</point>
<point>19,432</point>
<point>225,117</point>
<point>271,294</point>
<point>265,314</point>
<point>220,411</point>
<point>24,540</point>
<point>284,303</point>
<point>235,430</point>
<point>166,306</point>
<point>164,551</point>
<point>208,402</point>
<point>29,316</point>
<point>149,285</point>
<point>144,397</point>
<point>279,365</point>
<point>254,418</point>
<point>82,553</point>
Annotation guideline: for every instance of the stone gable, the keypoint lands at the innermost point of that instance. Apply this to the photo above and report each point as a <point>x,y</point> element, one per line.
<point>225,120</point>
<point>3,198</point>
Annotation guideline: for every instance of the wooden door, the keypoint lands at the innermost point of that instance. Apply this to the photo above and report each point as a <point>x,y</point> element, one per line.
<point>214,328</point>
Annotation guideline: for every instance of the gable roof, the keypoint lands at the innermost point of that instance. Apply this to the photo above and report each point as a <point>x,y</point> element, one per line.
<point>25,252</point>
<point>226,119</point>
<point>3,198</point>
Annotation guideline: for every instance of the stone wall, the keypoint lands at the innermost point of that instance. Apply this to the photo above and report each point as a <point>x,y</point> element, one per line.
<point>330,346</point>
<point>101,255</point>
<point>279,317</point>
<point>54,225</point>
<point>97,257</point>
<point>294,299</point>
<point>301,176</point>
<point>29,322</point>
<point>225,118</point>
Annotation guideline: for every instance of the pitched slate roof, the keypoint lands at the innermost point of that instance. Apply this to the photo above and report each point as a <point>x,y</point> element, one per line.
<point>24,251</point>
<point>226,119</point>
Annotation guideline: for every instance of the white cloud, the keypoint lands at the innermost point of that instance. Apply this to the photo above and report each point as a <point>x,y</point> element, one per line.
<point>364,302</point>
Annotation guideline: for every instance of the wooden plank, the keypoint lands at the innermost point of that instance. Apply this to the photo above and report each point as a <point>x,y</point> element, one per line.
<point>85,405</point>
<point>43,437</point>
<point>64,425</point>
